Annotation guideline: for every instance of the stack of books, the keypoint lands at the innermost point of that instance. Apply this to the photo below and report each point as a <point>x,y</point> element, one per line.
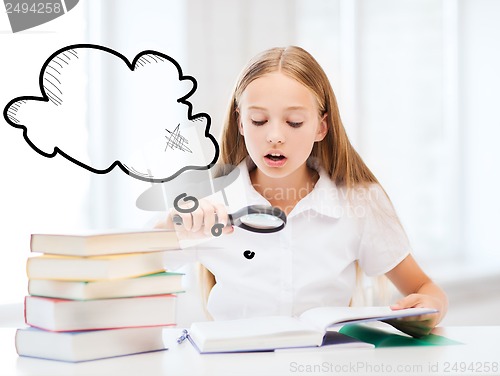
<point>95,296</point>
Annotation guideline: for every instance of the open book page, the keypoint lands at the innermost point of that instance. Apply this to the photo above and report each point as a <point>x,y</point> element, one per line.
<point>253,334</point>
<point>325,317</point>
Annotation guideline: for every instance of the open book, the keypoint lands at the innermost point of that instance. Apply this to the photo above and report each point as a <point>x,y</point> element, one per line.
<point>277,332</point>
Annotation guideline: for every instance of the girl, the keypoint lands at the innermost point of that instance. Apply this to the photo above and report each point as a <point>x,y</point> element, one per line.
<point>283,132</point>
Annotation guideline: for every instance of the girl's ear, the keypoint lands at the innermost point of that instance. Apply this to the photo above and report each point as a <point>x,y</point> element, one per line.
<point>322,129</point>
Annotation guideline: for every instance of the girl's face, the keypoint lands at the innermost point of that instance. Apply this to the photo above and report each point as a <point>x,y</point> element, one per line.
<point>280,122</point>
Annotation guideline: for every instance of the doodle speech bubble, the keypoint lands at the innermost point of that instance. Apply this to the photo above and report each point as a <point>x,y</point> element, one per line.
<point>163,136</point>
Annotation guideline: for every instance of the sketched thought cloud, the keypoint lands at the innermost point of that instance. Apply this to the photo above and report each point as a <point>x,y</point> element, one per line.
<point>162,138</point>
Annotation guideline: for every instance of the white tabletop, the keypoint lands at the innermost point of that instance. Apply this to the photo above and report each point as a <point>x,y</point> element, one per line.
<point>479,353</point>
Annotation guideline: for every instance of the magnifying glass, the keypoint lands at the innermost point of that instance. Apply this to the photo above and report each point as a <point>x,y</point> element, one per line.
<point>256,218</point>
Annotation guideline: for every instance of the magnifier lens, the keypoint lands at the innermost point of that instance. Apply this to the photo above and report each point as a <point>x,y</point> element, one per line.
<point>261,221</point>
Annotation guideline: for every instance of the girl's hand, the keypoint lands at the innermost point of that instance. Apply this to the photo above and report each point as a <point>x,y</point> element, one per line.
<point>417,326</point>
<point>198,223</point>
<point>420,291</point>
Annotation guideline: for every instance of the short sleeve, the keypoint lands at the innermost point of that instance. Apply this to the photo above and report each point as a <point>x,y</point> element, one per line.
<point>384,243</point>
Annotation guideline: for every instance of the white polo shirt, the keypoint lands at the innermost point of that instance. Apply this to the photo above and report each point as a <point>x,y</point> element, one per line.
<point>311,262</point>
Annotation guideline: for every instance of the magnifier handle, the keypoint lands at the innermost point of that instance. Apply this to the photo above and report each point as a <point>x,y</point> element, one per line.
<point>177,219</point>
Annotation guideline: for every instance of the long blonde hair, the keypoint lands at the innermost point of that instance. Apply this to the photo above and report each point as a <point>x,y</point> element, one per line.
<point>335,152</point>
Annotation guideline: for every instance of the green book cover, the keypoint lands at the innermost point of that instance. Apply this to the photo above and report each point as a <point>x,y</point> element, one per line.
<point>382,338</point>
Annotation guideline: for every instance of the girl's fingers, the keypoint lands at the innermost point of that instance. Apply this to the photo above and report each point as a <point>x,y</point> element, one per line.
<point>228,230</point>
<point>417,301</point>
<point>199,217</point>
<point>209,214</point>
<point>220,224</point>
<point>203,219</point>
<point>214,214</point>
<point>412,300</point>
<point>222,215</point>
<point>186,220</point>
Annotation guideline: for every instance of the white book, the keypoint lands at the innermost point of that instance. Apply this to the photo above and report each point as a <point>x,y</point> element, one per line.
<point>104,243</point>
<point>277,332</point>
<point>71,315</point>
<point>151,284</point>
<point>88,345</point>
<point>93,268</point>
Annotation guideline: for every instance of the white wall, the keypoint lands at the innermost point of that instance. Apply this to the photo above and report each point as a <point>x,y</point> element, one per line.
<point>37,194</point>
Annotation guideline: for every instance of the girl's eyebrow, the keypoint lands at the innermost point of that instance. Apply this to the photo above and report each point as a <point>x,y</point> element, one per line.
<point>257,108</point>
<point>291,108</point>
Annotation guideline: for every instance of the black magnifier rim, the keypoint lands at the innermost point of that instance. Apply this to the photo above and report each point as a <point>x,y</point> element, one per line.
<point>235,218</point>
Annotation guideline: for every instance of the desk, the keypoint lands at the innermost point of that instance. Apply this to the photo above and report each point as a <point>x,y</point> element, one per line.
<point>480,349</point>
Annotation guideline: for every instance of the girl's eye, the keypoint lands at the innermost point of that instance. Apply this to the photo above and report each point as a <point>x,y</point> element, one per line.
<point>259,122</point>
<point>295,124</point>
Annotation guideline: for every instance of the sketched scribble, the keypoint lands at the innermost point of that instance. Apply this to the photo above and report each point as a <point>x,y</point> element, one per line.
<point>176,141</point>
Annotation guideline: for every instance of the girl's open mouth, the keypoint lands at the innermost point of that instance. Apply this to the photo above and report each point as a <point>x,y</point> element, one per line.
<point>275,159</point>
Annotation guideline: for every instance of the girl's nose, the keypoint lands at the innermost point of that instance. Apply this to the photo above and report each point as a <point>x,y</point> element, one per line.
<point>275,134</point>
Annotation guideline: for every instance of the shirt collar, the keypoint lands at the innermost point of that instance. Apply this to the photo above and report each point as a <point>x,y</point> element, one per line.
<point>323,199</point>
